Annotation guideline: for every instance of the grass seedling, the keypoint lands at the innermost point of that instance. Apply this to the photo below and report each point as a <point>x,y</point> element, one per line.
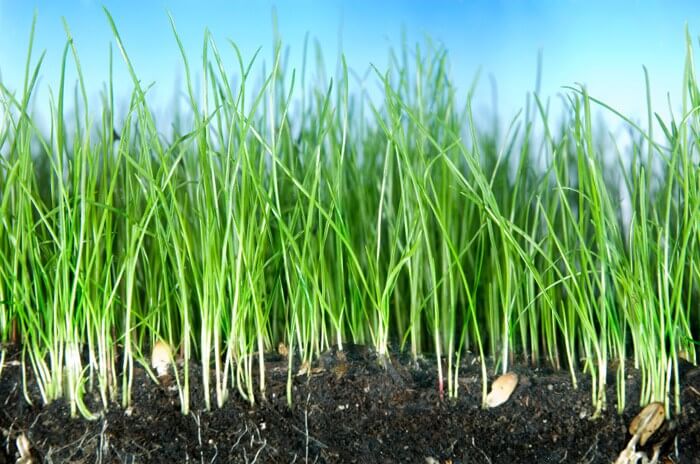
<point>287,206</point>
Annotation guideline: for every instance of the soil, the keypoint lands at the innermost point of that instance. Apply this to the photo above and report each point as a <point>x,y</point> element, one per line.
<point>350,409</point>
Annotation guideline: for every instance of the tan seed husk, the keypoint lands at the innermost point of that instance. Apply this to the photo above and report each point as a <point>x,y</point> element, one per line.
<point>501,389</point>
<point>647,421</point>
<point>161,356</point>
<point>23,447</point>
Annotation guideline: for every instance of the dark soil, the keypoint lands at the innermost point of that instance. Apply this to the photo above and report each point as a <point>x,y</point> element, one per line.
<point>351,409</point>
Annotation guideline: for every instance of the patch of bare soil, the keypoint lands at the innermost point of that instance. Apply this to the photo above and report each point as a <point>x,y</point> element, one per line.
<point>350,409</point>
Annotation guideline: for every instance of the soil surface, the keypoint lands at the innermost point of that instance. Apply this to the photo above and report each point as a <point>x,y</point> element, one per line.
<point>350,409</point>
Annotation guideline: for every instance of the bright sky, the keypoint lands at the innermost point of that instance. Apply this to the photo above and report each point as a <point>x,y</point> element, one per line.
<point>600,43</point>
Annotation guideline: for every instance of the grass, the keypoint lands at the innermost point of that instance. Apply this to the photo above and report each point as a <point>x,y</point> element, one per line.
<point>299,210</point>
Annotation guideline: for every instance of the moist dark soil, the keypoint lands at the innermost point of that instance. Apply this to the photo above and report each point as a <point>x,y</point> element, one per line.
<point>350,408</point>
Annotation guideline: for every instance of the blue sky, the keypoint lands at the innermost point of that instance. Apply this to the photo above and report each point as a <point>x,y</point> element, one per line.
<point>600,43</point>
